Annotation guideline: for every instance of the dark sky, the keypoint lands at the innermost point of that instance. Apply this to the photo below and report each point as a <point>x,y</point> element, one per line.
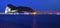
<point>38,5</point>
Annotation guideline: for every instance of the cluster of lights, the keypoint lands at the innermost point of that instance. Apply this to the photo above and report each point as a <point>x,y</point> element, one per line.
<point>34,13</point>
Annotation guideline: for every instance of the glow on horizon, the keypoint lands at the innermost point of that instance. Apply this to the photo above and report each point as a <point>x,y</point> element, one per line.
<point>34,13</point>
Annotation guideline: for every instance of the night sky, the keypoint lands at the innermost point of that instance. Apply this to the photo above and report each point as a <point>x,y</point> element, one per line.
<point>38,5</point>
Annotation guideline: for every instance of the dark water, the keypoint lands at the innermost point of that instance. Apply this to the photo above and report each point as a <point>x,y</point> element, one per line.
<point>26,21</point>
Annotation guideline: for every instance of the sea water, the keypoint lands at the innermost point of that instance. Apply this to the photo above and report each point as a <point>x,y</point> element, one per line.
<point>26,21</point>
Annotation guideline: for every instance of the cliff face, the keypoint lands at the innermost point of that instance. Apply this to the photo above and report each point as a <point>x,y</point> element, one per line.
<point>20,9</point>
<point>24,9</point>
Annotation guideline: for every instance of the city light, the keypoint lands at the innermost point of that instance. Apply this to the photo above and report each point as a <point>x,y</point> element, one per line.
<point>34,13</point>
